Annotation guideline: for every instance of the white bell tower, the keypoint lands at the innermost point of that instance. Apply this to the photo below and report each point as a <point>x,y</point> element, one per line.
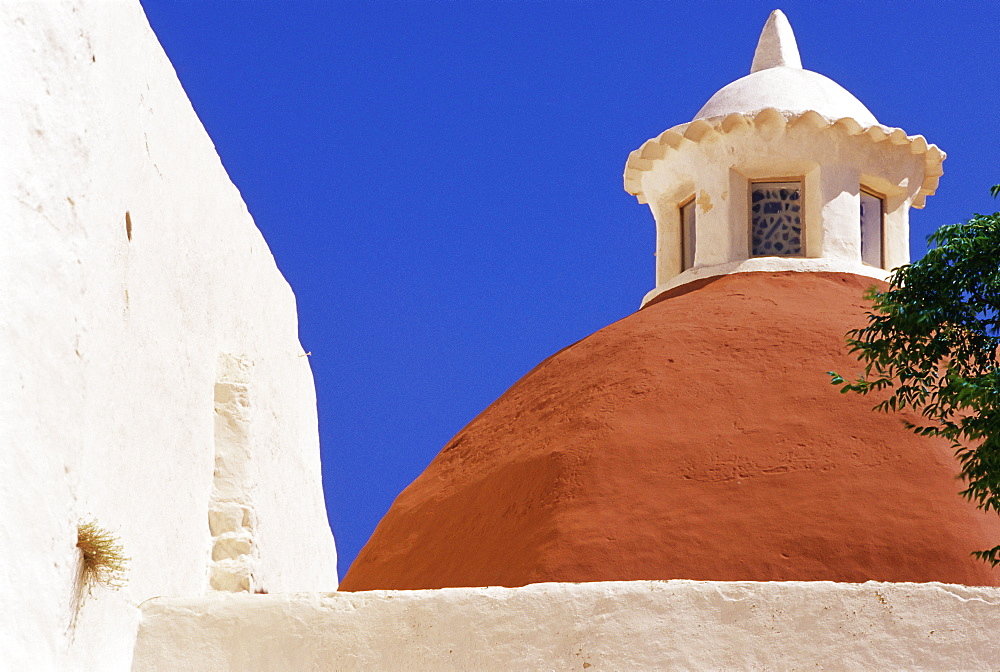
<point>781,170</point>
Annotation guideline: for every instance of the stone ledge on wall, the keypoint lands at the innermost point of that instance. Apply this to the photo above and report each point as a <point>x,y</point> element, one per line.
<point>632,625</point>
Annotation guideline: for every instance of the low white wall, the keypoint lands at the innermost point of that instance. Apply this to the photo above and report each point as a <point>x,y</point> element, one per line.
<point>113,337</point>
<point>641,625</point>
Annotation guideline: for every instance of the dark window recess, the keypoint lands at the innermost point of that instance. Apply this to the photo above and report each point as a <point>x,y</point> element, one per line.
<point>688,218</point>
<point>872,229</point>
<point>776,219</point>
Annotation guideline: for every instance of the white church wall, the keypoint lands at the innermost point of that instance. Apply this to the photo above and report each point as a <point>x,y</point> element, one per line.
<point>638,625</point>
<point>129,268</point>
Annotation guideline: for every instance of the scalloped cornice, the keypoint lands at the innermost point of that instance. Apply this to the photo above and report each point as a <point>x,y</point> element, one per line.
<point>771,120</point>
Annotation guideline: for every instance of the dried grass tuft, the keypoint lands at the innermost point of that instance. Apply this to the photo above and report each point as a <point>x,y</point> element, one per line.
<point>104,560</point>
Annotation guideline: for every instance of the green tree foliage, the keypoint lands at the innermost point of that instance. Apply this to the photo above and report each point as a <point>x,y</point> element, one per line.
<point>931,345</point>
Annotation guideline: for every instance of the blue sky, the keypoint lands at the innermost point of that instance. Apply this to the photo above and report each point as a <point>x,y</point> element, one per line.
<point>441,181</point>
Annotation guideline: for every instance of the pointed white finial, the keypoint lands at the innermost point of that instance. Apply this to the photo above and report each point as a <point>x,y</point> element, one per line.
<point>776,45</point>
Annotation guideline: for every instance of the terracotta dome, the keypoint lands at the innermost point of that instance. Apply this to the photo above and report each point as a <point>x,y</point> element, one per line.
<point>698,438</point>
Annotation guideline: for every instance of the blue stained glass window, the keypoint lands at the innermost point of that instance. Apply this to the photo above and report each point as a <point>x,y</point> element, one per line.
<point>776,219</point>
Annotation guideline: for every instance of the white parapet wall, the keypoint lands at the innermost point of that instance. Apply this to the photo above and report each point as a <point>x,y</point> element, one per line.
<point>640,625</point>
<point>152,373</point>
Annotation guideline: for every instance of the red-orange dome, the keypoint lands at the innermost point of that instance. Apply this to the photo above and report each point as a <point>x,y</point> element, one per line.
<point>698,438</point>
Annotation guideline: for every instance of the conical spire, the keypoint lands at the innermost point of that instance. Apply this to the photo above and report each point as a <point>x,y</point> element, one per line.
<point>776,46</point>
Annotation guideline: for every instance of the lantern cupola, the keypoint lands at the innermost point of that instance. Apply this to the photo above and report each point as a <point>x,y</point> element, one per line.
<point>781,170</point>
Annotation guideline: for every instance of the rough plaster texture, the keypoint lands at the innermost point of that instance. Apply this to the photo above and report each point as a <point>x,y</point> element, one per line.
<point>129,267</point>
<point>643,625</point>
<point>698,438</point>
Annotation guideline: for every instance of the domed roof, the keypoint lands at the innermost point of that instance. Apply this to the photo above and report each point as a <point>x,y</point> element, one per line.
<point>788,90</point>
<point>777,80</point>
<point>698,438</point>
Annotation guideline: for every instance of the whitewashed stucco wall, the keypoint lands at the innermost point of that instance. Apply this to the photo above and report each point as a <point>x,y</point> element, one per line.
<point>110,347</point>
<point>637,625</point>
